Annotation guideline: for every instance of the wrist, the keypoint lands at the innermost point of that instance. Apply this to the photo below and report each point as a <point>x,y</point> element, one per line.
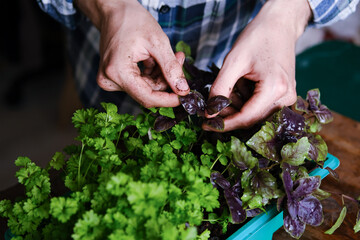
<point>96,10</point>
<point>295,14</point>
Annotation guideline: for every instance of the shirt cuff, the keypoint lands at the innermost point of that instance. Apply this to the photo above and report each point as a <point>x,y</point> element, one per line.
<point>62,11</point>
<point>327,12</point>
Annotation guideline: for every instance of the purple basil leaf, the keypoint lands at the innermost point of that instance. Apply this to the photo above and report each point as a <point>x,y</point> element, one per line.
<point>180,113</point>
<point>301,105</point>
<point>318,148</point>
<point>193,103</point>
<point>238,214</point>
<point>290,168</point>
<point>333,173</point>
<point>306,186</point>
<point>163,123</point>
<point>242,157</point>
<point>293,208</point>
<point>291,124</point>
<point>313,97</point>
<point>217,178</point>
<point>323,114</point>
<point>216,104</point>
<point>294,226</point>
<point>237,188</point>
<point>288,184</point>
<point>253,212</point>
<point>310,211</point>
<point>215,123</point>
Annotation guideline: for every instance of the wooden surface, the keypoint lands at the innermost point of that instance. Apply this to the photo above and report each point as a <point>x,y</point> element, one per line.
<point>343,139</point>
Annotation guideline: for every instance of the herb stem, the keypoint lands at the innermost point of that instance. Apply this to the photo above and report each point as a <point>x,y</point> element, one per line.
<point>215,161</point>
<point>80,158</point>
<point>227,167</point>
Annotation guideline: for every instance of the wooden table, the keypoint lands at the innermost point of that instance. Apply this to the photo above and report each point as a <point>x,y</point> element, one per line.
<point>343,139</point>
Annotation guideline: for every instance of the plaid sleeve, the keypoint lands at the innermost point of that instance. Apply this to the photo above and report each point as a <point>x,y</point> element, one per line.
<point>326,12</point>
<point>62,11</point>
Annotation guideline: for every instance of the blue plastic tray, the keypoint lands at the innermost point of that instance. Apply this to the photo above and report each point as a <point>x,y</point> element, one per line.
<point>266,224</point>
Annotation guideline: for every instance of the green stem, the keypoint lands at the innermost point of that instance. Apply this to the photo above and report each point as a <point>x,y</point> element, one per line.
<point>87,170</point>
<point>268,168</point>
<point>215,161</point>
<point>117,141</point>
<point>79,168</point>
<point>227,167</point>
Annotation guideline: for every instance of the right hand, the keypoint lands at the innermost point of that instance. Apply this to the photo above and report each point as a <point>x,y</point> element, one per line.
<point>129,35</point>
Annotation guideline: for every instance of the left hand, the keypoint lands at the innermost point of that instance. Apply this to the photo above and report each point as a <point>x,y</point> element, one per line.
<point>265,54</point>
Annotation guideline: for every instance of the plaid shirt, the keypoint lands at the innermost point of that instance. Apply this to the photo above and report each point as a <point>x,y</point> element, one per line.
<point>209,27</point>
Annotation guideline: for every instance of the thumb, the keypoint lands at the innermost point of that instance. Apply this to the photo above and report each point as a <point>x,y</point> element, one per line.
<point>228,76</point>
<point>171,67</point>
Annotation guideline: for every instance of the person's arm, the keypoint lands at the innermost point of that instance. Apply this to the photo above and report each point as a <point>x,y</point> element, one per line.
<point>265,54</point>
<point>129,35</point>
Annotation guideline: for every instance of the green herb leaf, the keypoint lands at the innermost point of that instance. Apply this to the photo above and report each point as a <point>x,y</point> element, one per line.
<point>263,140</point>
<point>296,153</point>
<point>167,112</point>
<point>338,221</point>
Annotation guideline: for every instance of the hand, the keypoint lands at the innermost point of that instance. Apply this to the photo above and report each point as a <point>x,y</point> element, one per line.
<point>129,35</point>
<point>265,54</point>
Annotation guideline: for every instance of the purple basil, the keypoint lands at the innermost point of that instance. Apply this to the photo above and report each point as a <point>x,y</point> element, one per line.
<point>163,123</point>
<point>291,125</point>
<point>294,226</point>
<point>193,103</point>
<point>301,105</point>
<point>306,186</point>
<point>231,194</point>
<point>321,112</point>
<point>215,123</point>
<point>216,104</point>
<point>310,211</point>
<point>301,207</point>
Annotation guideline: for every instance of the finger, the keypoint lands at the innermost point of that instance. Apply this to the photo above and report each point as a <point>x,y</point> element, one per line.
<point>156,80</point>
<point>180,56</point>
<point>156,84</point>
<point>141,92</point>
<point>228,76</point>
<point>236,100</point>
<point>172,70</point>
<point>228,111</point>
<point>106,83</point>
<point>257,108</point>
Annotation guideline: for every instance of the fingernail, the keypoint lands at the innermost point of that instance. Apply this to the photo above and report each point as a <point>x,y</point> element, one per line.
<point>182,85</point>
